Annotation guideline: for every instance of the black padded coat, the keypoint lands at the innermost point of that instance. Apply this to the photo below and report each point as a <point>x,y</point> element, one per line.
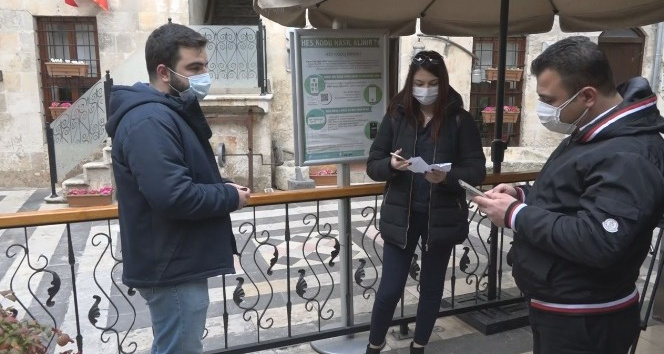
<point>459,143</point>
<point>590,214</point>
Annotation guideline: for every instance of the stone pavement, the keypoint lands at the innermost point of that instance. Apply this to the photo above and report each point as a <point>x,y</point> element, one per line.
<point>451,335</point>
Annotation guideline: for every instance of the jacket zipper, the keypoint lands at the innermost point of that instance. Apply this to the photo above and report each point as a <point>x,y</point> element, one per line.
<point>410,192</point>
<point>387,191</point>
<point>426,245</point>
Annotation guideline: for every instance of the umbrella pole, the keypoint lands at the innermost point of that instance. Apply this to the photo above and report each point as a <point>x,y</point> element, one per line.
<point>509,317</point>
<point>498,146</point>
<point>497,319</point>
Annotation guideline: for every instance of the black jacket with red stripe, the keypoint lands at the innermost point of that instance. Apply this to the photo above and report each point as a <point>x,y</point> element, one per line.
<point>589,217</point>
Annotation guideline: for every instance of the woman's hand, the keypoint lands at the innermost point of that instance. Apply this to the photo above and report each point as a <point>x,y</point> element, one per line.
<point>397,163</point>
<point>435,176</point>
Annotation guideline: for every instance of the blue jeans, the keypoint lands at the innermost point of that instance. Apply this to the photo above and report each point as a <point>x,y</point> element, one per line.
<point>396,265</point>
<point>178,314</point>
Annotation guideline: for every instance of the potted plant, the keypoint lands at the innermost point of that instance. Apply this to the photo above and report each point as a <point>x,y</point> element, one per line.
<point>84,197</point>
<point>57,108</point>
<point>511,74</point>
<point>65,68</point>
<point>26,336</point>
<point>510,114</point>
<point>323,175</point>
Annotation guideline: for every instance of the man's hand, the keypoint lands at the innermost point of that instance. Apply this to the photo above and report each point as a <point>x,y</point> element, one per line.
<point>503,188</point>
<point>243,193</point>
<point>495,205</point>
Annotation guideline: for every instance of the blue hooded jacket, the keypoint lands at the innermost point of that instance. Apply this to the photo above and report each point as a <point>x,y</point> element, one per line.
<point>173,204</point>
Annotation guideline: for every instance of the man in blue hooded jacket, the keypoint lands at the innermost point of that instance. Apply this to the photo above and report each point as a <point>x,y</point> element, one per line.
<point>174,206</point>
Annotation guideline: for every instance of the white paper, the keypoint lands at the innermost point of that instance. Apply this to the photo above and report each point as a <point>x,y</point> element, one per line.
<point>418,165</point>
<point>445,167</point>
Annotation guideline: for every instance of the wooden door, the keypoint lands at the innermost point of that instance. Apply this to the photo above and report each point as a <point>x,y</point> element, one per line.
<point>624,49</point>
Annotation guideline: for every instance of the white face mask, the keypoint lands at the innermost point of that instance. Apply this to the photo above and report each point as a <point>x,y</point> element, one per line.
<point>426,95</point>
<point>549,116</point>
<point>199,85</point>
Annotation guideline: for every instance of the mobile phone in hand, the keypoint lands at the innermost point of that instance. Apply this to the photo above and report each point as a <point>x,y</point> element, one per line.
<point>473,191</point>
<point>398,156</point>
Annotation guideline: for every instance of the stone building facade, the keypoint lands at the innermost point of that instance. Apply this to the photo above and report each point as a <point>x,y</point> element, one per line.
<point>121,33</point>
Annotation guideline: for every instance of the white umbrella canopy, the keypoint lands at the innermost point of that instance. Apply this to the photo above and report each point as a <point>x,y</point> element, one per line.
<point>464,17</point>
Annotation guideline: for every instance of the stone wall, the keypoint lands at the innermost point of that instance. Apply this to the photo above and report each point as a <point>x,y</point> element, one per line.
<point>231,117</point>
<point>533,134</point>
<point>122,31</point>
<point>536,141</point>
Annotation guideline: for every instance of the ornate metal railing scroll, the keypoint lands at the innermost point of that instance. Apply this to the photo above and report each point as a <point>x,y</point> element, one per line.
<point>108,256</point>
<point>233,55</point>
<point>369,244</point>
<point>318,234</point>
<point>79,131</point>
<point>26,267</point>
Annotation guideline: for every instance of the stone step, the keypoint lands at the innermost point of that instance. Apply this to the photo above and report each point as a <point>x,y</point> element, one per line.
<point>97,174</point>
<point>106,154</point>
<point>77,181</point>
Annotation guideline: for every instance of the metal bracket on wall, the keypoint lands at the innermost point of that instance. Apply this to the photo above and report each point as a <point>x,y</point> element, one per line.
<point>277,156</point>
<point>247,120</point>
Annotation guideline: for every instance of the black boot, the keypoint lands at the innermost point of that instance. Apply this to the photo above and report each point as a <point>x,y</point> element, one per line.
<point>375,350</point>
<point>414,350</point>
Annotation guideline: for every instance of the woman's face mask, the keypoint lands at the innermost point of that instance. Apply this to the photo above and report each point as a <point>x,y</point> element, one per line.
<point>199,85</point>
<point>425,95</point>
<point>549,116</point>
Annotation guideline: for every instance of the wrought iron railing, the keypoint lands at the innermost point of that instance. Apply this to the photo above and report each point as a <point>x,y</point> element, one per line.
<point>78,132</point>
<point>236,55</point>
<point>65,265</point>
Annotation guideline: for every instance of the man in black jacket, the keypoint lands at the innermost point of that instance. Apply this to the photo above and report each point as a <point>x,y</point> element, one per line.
<point>584,228</point>
<point>174,205</point>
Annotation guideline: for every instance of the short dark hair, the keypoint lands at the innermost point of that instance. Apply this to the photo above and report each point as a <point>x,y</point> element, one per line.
<point>163,45</point>
<point>579,62</point>
<point>434,63</point>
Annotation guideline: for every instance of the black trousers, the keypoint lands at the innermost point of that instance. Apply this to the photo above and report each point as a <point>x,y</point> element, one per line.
<point>396,265</point>
<point>611,333</point>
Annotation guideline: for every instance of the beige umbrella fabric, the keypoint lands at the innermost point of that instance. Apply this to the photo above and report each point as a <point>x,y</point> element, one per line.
<point>464,17</point>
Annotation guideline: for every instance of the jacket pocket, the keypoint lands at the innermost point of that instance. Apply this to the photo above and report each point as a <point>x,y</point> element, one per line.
<point>531,267</point>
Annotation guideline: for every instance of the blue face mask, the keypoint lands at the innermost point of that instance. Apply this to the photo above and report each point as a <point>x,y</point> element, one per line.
<point>199,85</point>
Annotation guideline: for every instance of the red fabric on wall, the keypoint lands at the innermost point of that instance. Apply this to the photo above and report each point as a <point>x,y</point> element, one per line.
<point>71,3</point>
<point>102,3</point>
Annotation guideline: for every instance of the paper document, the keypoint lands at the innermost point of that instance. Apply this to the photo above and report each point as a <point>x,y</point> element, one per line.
<point>418,165</point>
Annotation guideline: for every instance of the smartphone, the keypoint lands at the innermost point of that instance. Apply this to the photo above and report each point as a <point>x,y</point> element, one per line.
<point>474,191</point>
<point>373,130</point>
<point>397,156</point>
